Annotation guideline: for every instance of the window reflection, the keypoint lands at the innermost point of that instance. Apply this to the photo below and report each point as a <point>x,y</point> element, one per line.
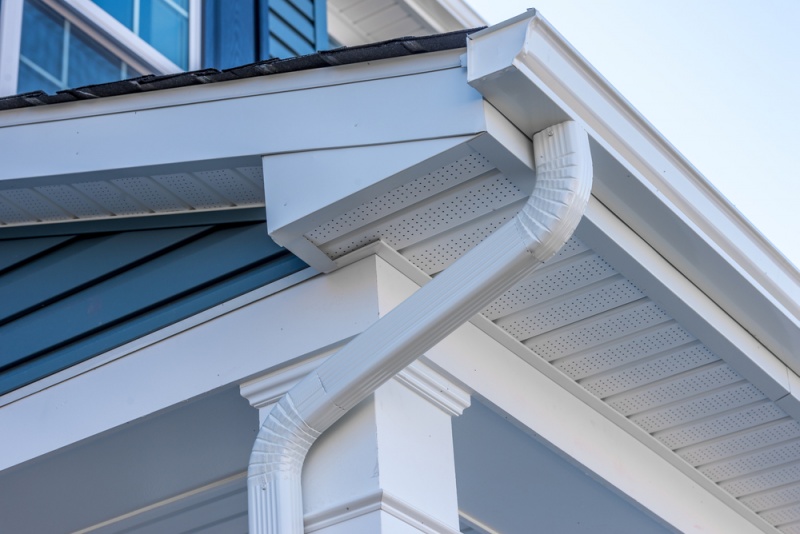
<point>162,23</point>
<point>55,55</point>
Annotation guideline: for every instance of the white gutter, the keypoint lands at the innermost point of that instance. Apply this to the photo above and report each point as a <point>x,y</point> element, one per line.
<point>554,209</point>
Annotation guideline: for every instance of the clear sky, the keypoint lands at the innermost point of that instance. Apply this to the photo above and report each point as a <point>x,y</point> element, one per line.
<point>719,78</point>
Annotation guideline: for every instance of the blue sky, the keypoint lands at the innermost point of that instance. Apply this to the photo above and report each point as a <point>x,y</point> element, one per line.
<point>719,78</point>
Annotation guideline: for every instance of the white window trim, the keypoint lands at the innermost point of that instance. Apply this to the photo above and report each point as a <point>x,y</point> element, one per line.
<point>113,35</point>
<point>101,27</point>
<point>195,34</point>
<point>10,40</point>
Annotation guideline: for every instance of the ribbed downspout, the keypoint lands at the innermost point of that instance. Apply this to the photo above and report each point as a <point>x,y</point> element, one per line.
<point>548,219</point>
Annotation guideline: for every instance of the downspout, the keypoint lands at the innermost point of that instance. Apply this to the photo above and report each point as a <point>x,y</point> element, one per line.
<point>548,219</point>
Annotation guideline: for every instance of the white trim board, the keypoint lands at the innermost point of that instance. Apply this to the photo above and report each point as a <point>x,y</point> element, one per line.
<point>154,337</point>
<point>324,312</point>
<point>339,116</point>
<point>643,179</point>
<point>552,406</point>
<point>299,322</point>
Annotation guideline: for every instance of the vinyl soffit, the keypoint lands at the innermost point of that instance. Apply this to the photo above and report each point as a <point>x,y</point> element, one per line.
<point>579,314</point>
<point>240,187</point>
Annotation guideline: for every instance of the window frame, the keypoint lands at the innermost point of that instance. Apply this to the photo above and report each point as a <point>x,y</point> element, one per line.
<point>101,27</point>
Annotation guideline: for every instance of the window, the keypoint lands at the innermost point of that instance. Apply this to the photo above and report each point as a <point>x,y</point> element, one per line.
<point>55,44</point>
<point>162,23</point>
<point>55,55</point>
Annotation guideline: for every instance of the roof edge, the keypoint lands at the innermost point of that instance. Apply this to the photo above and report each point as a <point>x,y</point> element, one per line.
<point>527,54</point>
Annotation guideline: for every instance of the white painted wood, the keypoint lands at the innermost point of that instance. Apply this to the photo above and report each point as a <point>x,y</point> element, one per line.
<point>347,115</point>
<point>394,456</point>
<point>410,417</point>
<point>468,350</point>
<point>508,148</point>
<point>290,81</point>
<point>195,34</point>
<point>341,179</point>
<point>264,391</point>
<point>157,336</point>
<point>657,191</point>
<point>378,511</point>
<point>537,232</point>
<point>432,386</point>
<point>578,424</point>
<point>225,349</point>
<point>10,40</point>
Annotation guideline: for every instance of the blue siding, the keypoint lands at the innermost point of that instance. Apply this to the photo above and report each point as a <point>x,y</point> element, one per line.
<point>237,32</point>
<point>297,27</point>
<point>25,249</point>
<point>95,292</point>
<point>229,33</point>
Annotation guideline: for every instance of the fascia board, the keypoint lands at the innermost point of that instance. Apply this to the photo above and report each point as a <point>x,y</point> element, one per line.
<point>257,85</point>
<point>385,110</point>
<point>525,59</point>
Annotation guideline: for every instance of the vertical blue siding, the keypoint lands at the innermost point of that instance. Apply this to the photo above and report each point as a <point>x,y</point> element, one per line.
<point>229,33</point>
<point>237,32</point>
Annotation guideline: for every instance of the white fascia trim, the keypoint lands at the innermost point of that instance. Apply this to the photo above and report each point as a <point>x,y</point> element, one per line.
<point>114,35</point>
<point>528,52</point>
<point>548,219</point>
<point>10,41</point>
<point>233,89</point>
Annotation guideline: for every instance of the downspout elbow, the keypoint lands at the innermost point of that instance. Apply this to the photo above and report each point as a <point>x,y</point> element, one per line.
<point>274,472</point>
<point>563,184</point>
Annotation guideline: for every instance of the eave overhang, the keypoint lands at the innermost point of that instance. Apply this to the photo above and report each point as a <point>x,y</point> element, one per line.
<point>378,130</point>
<point>642,178</point>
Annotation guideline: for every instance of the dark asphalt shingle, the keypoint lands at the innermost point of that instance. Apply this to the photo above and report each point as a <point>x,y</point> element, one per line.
<point>403,46</point>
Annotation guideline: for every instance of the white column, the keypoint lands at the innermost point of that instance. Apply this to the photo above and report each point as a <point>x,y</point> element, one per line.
<point>385,467</point>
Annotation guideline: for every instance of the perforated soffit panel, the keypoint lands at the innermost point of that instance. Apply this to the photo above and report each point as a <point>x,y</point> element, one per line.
<point>595,326</point>
<point>242,187</point>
